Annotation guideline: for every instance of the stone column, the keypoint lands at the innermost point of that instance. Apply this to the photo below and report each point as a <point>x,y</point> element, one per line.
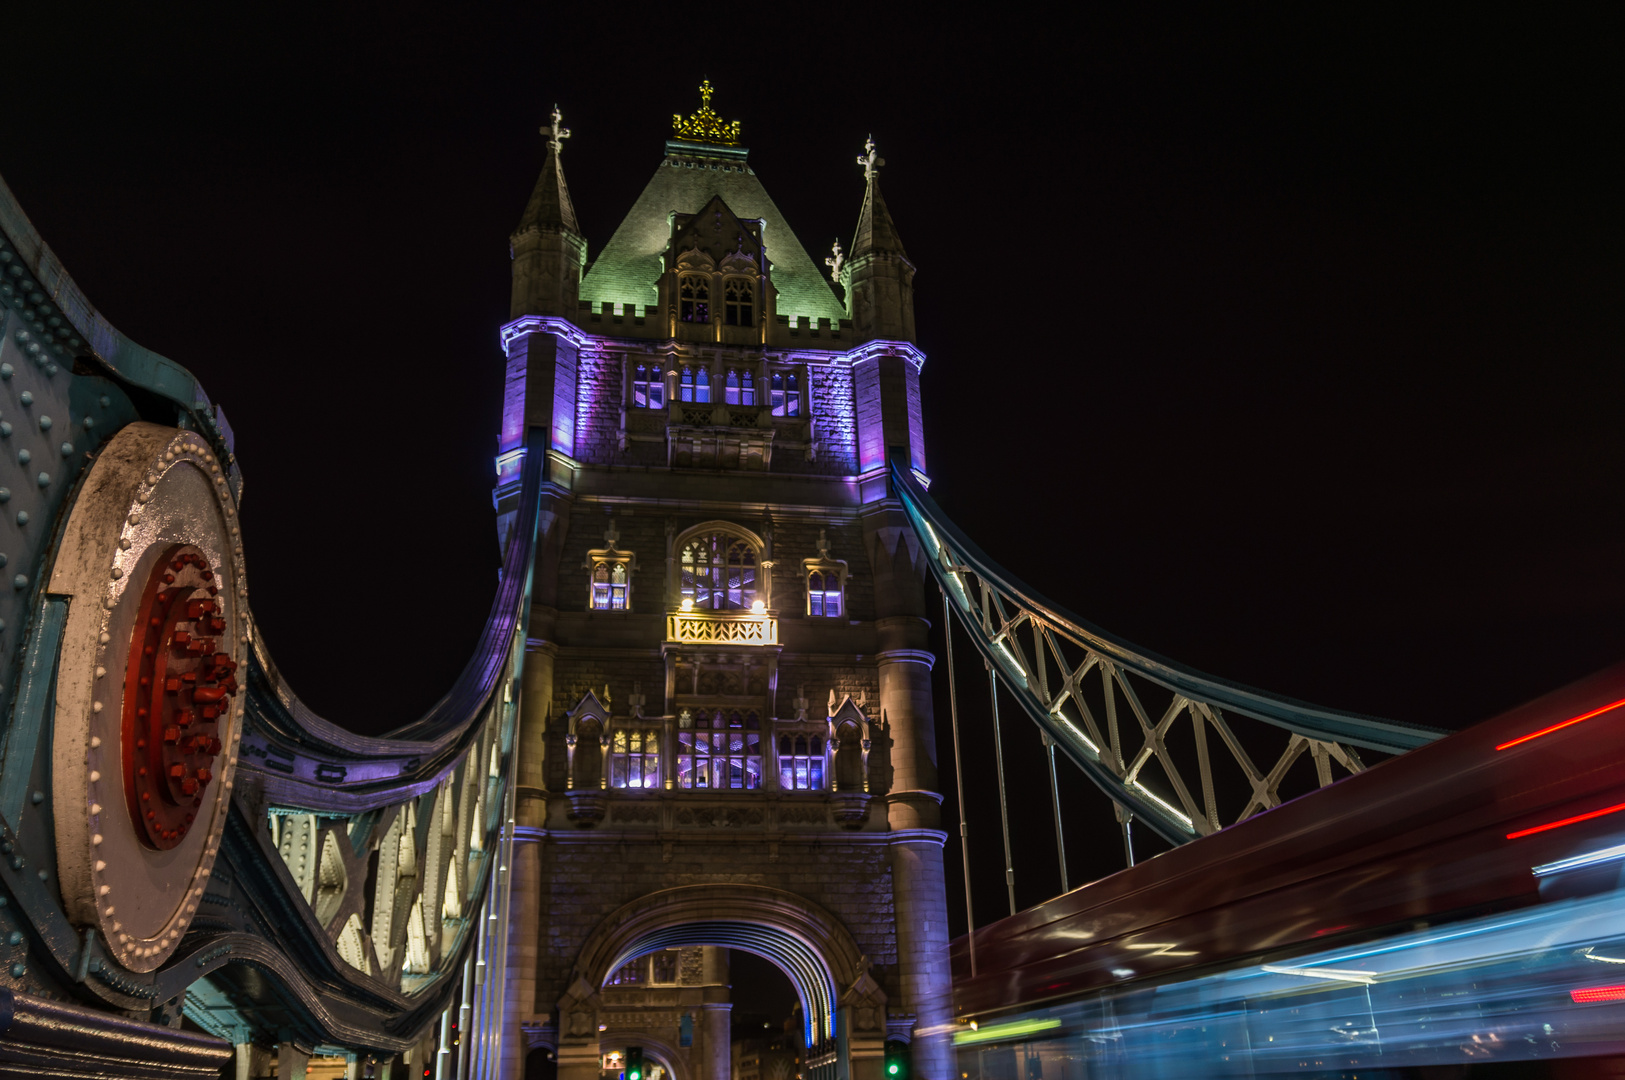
<point>919,899</point>
<point>717,1061</point>
<point>914,809</point>
<point>291,1061</point>
<point>525,875</point>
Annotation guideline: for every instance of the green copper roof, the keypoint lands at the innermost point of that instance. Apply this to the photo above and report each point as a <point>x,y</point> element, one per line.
<point>626,270</point>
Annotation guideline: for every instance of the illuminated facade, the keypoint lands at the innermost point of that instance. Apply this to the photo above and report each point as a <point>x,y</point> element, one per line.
<point>727,731</point>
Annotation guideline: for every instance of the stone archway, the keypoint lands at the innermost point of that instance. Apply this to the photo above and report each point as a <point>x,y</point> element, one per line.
<point>845,1008</point>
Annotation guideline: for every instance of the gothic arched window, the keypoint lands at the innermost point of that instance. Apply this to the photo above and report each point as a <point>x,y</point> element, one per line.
<point>694,384</point>
<point>648,388</point>
<point>824,594</point>
<point>740,388</point>
<point>694,295</point>
<point>784,393</point>
<point>801,763</point>
<point>719,572</point>
<point>635,759</point>
<point>609,586</point>
<point>739,302</point>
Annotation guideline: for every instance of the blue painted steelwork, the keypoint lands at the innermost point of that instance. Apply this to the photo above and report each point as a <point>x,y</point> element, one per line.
<point>959,566</point>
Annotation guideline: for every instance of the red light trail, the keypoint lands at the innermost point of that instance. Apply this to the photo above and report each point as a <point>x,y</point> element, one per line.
<point>1566,821</point>
<point>1566,723</point>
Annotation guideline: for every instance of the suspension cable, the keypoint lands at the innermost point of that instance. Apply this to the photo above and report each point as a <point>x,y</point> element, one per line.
<point>1004,808</point>
<point>959,780</point>
<point>1055,798</point>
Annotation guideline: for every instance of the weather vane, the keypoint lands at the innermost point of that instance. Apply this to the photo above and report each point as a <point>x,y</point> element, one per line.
<point>870,161</point>
<point>556,134</point>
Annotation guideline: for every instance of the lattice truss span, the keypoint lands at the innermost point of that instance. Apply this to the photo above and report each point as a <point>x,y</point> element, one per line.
<point>1183,752</point>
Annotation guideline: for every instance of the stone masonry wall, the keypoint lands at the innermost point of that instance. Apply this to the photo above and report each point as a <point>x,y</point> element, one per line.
<point>585,877</point>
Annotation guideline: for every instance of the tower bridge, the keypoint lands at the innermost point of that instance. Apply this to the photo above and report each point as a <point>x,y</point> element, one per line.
<point>700,720</point>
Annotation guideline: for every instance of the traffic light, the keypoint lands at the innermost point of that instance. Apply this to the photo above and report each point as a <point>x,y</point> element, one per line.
<point>897,1060</point>
<point>634,1063</point>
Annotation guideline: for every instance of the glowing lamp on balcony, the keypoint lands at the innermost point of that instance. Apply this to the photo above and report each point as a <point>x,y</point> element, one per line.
<point>758,608</point>
<point>688,604</point>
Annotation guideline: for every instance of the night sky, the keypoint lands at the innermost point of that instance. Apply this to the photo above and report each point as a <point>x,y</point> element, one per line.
<point>1284,343</point>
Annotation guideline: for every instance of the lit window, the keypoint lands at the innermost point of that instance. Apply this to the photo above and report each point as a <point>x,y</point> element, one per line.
<point>694,384</point>
<point>824,594</point>
<point>609,586</point>
<point>739,301</point>
<point>801,763</point>
<point>717,749</point>
<point>632,973</point>
<point>826,582</point>
<point>665,966</point>
<point>648,389</point>
<point>719,572</point>
<point>694,294</point>
<point>635,759</point>
<point>740,388</point>
<point>784,393</point>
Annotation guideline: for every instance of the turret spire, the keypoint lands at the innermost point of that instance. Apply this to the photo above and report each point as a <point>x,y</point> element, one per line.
<point>547,247</point>
<point>878,277</point>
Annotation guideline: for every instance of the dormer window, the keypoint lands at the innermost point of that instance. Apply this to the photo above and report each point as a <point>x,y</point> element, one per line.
<point>784,393</point>
<point>694,384</point>
<point>740,388</point>
<point>694,294</point>
<point>648,388</point>
<point>739,302</point>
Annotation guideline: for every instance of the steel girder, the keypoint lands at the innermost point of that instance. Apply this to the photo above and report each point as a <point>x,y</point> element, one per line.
<point>1049,659</point>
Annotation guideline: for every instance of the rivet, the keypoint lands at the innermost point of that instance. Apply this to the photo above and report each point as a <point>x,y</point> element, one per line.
<point>104,890</point>
<point>44,479</point>
<point>5,846</point>
<point>101,672</point>
<point>96,808</point>
<point>117,573</point>
<point>135,518</point>
<point>43,875</point>
<point>5,429</point>
<point>38,797</point>
<point>67,449</point>
<point>95,706</point>
<point>51,369</point>
<point>105,636</point>
<point>7,371</point>
<point>95,741</point>
<point>106,401</point>
<point>19,582</point>
<point>89,422</point>
<point>26,398</point>
<point>14,938</point>
<point>22,517</point>
<point>19,969</point>
<point>16,862</point>
<point>100,865</point>
<point>124,543</point>
<point>96,840</point>
<point>45,423</point>
<point>94,776</point>
<point>24,457</point>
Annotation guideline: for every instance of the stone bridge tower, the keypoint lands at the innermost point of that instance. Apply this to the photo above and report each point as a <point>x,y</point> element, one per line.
<point>727,735</point>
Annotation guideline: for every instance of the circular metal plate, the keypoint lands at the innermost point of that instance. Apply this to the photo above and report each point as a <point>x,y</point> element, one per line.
<point>148,711</point>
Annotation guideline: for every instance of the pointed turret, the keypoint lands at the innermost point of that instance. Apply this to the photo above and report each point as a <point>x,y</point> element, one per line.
<point>878,277</point>
<point>548,249</point>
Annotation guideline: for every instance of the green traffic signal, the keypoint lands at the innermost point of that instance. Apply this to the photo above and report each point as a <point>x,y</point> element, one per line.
<point>893,1070</point>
